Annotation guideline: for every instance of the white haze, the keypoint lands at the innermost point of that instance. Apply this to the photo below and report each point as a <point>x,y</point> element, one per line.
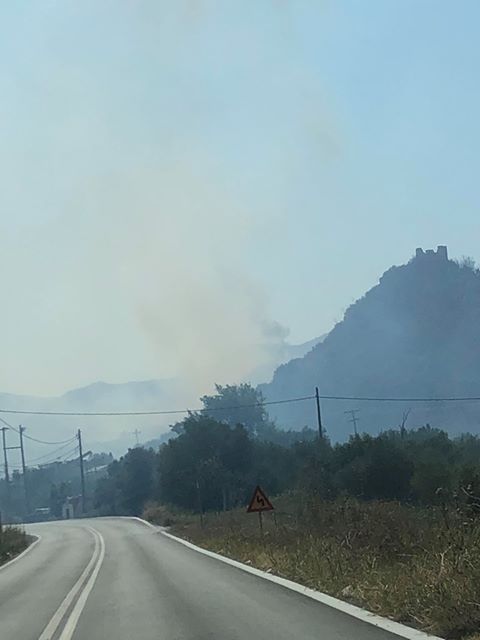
<point>175,243</point>
<point>129,236</point>
<point>181,181</point>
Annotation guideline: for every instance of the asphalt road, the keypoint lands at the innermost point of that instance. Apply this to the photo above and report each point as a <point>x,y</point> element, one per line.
<point>117,579</point>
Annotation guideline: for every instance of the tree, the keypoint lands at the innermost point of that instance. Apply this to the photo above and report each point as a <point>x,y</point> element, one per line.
<point>205,466</point>
<point>467,262</point>
<point>314,467</point>
<point>238,404</point>
<point>373,468</point>
<point>137,479</point>
<point>130,482</point>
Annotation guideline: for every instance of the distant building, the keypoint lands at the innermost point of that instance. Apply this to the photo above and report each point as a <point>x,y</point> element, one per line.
<point>71,508</point>
<point>41,513</point>
<point>440,254</point>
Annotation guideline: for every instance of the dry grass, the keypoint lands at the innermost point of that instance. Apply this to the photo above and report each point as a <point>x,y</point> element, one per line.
<point>159,514</point>
<point>12,542</point>
<point>417,566</point>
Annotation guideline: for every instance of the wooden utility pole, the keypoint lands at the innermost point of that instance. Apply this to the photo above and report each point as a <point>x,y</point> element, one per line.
<point>5,458</point>
<point>24,470</point>
<point>7,475</point>
<point>319,415</point>
<point>82,471</point>
<point>199,501</point>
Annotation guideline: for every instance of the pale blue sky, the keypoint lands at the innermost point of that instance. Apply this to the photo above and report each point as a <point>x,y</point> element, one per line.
<point>179,175</point>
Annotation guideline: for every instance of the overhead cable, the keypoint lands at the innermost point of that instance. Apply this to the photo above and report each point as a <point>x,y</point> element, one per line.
<point>232,407</point>
<point>25,435</point>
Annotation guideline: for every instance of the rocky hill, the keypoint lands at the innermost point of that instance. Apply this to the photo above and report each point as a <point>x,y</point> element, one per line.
<point>415,334</point>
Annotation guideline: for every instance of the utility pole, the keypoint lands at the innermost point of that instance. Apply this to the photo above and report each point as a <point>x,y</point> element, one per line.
<point>5,449</point>
<point>354,419</point>
<point>7,477</point>
<point>199,500</point>
<point>5,459</point>
<point>82,472</point>
<point>24,470</point>
<point>136,433</point>
<point>319,415</point>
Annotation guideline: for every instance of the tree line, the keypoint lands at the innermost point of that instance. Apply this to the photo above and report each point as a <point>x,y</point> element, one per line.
<point>215,458</point>
<point>49,485</point>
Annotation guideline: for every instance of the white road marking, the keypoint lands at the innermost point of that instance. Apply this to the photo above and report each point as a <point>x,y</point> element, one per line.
<point>145,522</point>
<point>95,562</point>
<point>357,612</point>
<point>72,621</point>
<point>24,553</point>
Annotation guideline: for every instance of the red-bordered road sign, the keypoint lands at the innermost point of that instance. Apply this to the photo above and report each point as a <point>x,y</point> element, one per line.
<point>259,502</point>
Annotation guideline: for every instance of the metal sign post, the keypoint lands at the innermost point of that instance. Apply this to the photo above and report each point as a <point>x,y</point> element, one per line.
<point>258,504</point>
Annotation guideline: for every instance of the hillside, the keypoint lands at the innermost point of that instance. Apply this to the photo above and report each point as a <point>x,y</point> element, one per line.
<point>415,334</point>
<point>115,434</point>
<point>104,433</point>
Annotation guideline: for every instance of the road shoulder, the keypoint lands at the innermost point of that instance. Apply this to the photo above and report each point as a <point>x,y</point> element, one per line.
<point>364,615</point>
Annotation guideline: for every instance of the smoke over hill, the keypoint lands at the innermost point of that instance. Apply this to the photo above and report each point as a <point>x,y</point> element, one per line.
<point>415,334</point>
<point>117,433</point>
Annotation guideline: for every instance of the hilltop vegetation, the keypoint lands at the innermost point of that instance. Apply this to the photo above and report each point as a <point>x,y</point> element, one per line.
<point>415,334</point>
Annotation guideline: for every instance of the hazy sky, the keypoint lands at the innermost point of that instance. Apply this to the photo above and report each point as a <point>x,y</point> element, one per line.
<point>184,181</point>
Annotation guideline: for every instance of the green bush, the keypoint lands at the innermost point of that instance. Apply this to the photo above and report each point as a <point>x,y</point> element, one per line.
<point>12,542</point>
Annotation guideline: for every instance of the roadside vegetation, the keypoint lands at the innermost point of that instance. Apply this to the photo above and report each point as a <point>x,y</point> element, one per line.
<point>211,465</point>
<point>49,485</point>
<point>12,542</point>
<point>417,565</point>
<point>391,523</point>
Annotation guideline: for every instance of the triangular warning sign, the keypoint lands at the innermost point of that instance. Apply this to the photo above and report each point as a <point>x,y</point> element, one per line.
<point>259,502</point>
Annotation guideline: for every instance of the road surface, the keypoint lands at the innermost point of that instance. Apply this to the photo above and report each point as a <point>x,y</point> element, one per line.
<point>117,579</point>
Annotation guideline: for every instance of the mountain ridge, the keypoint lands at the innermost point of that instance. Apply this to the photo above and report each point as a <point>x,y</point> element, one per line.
<point>414,334</point>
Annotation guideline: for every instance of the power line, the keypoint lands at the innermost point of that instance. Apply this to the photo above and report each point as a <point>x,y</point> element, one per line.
<point>51,453</point>
<point>151,413</point>
<point>31,437</point>
<point>372,399</point>
<point>60,458</point>
<point>67,455</point>
<point>226,408</point>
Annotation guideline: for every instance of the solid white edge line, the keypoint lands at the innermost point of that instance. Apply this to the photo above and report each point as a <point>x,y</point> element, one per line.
<point>145,522</point>
<point>57,617</point>
<point>24,552</point>
<point>71,623</point>
<point>345,607</point>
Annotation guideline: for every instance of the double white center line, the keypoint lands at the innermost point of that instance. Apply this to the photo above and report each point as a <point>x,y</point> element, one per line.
<point>68,613</point>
